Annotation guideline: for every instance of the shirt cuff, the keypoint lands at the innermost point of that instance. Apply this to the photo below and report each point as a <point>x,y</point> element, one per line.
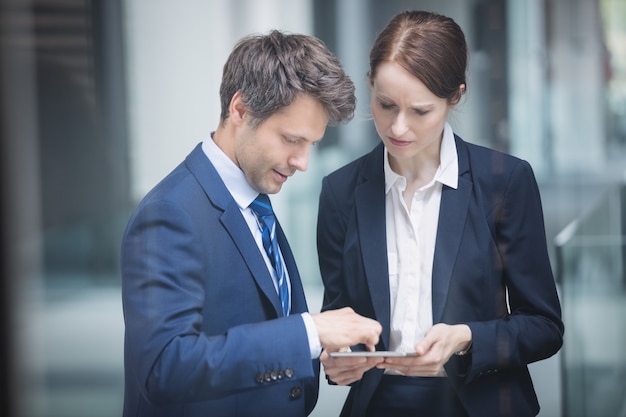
<point>314,341</point>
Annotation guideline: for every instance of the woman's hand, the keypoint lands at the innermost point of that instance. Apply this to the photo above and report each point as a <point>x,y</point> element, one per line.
<point>346,370</point>
<point>433,352</point>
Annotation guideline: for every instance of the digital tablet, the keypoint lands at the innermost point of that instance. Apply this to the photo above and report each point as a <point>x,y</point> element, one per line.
<point>383,353</point>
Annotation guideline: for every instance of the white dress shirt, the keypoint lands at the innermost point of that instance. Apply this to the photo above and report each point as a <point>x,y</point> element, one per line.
<point>243,194</point>
<point>411,236</point>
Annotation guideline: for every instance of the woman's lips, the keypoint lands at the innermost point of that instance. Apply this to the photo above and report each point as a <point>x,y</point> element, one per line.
<point>401,143</point>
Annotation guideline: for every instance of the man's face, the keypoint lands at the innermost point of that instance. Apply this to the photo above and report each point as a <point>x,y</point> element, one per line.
<point>274,150</point>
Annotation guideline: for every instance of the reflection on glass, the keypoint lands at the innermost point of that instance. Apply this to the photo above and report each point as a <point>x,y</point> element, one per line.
<point>590,253</point>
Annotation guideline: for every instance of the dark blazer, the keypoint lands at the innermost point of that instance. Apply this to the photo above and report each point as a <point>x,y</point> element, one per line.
<point>204,332</point>
<point>491,239</point>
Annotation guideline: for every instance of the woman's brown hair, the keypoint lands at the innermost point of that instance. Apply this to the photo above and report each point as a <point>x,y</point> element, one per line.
<point>430,46</point>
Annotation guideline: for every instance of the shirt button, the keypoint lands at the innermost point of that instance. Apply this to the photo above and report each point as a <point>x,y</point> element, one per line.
<point>295,393</point>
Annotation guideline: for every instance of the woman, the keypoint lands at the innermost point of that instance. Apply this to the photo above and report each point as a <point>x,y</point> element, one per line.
<point>441,241</point>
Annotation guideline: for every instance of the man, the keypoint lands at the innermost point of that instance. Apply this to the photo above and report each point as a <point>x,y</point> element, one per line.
<point>216,326</point>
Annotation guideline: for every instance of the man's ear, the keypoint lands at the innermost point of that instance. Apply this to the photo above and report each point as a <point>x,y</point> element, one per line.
<point>237,110</point>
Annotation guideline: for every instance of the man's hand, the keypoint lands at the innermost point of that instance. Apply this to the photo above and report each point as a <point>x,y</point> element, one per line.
<point>438,345</point>
<point>340,328</point>
<point>344,371</point>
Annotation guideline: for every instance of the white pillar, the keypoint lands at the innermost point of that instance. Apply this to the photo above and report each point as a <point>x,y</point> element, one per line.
<point>577,107</point>
<point>528,68</point>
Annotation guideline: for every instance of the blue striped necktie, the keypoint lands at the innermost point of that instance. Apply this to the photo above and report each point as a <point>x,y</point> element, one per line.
<point>267,223</point>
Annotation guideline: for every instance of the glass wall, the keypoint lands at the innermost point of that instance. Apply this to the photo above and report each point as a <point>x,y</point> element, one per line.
<point>100,99</point>
<point>590,251</point>
<point>590,255</point>
<point>65,175</point>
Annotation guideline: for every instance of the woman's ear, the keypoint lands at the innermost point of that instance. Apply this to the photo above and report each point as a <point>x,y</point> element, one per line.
<point>457,97</point>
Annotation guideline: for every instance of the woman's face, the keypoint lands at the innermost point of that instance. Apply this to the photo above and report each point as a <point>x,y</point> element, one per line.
<point>409,118</point>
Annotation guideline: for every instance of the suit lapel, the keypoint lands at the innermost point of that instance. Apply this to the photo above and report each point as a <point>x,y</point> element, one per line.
<point>234,223</point>
<point>370,208</point>
<point>370,213</point>
<point>240,234</point>
<point>452,216</point>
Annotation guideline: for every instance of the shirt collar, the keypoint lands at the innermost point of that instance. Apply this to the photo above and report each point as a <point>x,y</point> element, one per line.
<point>447,173</point>
<point>233,177</point>
<point>391,177</point>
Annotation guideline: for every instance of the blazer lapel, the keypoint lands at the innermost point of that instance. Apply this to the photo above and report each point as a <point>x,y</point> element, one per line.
<point>240,233</point>
<point>370,209</point>
<point>452,216</point>
<point>204,172</point>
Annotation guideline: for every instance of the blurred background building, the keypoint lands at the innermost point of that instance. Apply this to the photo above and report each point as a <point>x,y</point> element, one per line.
<point>100,99</point>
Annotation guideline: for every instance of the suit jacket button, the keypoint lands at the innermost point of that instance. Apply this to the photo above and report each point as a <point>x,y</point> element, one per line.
<point>288,372</point>
<point>268,377</point>
<point>259,378</point>
<point>274,375</point>
<point>295,393</point>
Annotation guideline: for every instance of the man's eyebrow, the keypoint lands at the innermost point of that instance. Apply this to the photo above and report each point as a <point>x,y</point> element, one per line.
<point>299,137</point>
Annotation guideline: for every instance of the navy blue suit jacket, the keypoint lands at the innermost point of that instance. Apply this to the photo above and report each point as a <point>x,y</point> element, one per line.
<point>490,240</point>
<point>204,334</point>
